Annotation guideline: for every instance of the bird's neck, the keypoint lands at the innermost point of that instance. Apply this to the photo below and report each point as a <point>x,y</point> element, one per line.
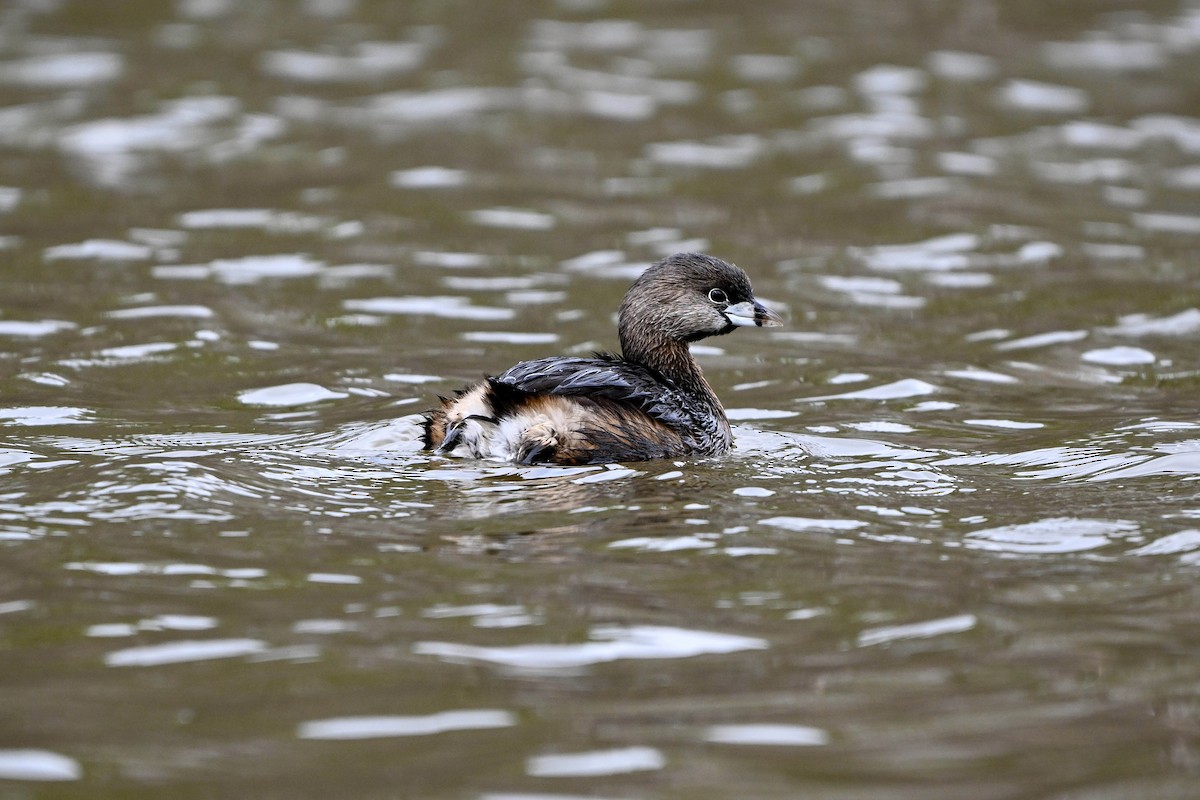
<point>672,359</point>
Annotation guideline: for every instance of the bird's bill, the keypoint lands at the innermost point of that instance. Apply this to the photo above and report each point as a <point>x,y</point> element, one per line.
<point>751,313</point>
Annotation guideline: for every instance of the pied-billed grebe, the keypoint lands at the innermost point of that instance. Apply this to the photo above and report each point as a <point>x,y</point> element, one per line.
<point>652,401</point>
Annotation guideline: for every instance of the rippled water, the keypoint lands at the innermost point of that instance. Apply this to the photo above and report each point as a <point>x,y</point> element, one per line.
<point>954,552</point>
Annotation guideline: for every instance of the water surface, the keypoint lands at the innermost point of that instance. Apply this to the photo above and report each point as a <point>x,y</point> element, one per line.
<point>954,552</point>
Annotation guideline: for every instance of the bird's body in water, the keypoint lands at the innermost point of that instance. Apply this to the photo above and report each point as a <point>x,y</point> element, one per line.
<point>652,401</point>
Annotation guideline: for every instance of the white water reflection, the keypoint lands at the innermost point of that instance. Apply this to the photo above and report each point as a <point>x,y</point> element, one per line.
<point>1180,324</point>
<point>984,375</point>
<point>266,219</point>
<point>1186,541</point>
<point>211,128</point>
<point>45,415</point>
<point>1010,424</point>
<point>766,735</point>
<point>1122,356</point>
<point>110,630</point>
<point>1042,340</point>
<point>366,61</point>
<point>596,763</point>
<point>334,578</point>
<point>125,568</point>
<point>608,643</point>
<point>487,615</point>
<point>289,394</point>
<point>897,390</point>
<point>739,414</point>
<point>63,70</point>
<point>666,544</point>
<point>380,727</point>
<point>163,622</point>
<point>436,306</point>
<point>886,634</point>
<point>252,269</point>
<point>1038,96</point>
<point>517,218</point>
<point>146,312</point>
<point>731,152</point>
<point>429,178</point>
<point>957,65</point>
<point>510,337</point>
<point>453,260</point>
<point>155,655</point>
<point>1104,54</point>
<point>803,524</point>
<point>99,250</point>
<point>1164,222</point>
<point>34,329</point>
<point>1052,535</point>
<point>130,352</point>
<point>38,765</point>
<point>1186,464</point>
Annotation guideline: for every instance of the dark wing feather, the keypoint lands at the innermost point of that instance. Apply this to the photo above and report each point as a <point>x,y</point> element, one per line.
<point>603,376</point>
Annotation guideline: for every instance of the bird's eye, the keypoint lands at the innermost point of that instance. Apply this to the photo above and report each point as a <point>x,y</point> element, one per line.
<point>717,296</point>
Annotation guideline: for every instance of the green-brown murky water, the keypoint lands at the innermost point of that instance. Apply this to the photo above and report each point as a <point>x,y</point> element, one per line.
<point>954,555</point>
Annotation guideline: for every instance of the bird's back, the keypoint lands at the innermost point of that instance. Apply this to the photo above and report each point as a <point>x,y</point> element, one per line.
<point>571,410</point>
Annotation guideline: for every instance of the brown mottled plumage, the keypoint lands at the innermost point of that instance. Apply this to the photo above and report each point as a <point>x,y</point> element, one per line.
<point>650,402</point>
